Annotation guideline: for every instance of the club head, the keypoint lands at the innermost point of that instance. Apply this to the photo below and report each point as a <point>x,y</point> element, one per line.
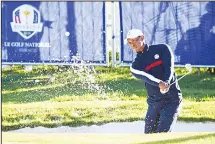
<point>188,67</point>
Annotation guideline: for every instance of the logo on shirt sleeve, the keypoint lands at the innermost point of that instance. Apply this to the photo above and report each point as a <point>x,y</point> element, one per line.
<point>156,56</point>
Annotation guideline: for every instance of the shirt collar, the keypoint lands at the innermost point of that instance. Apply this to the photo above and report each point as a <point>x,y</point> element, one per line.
<point>146,48</point>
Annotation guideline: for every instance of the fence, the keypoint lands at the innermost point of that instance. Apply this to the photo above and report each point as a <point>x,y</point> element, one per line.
<point>59,32</point>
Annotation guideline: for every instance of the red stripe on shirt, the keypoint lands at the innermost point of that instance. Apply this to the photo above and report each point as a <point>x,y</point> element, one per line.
<point>154,64</point>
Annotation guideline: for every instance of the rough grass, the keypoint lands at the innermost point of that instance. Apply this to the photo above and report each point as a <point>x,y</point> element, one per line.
<point>76,98</point>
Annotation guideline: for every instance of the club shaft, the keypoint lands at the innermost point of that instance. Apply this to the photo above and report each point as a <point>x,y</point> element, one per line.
<point>179,78</point>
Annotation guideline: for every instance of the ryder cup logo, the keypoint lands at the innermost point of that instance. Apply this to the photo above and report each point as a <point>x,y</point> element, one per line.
<point>156,56</point>
<point>26,21</point>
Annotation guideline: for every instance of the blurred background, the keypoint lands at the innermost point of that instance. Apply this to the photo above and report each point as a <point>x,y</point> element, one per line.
<point>56,32</point>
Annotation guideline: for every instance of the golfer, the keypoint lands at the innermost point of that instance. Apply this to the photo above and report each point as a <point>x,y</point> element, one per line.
<point>155,65</point>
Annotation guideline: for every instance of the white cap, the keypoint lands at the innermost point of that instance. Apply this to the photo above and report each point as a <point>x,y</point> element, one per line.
<point>133,33</point>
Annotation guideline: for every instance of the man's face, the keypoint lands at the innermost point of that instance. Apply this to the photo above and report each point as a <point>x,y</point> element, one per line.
<point>135,43</point>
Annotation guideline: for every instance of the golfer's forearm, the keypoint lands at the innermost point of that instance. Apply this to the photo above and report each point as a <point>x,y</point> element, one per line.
<point>168,62</point>
<point>168,75</point>
<point>147,80</point>
<point>145,76</point>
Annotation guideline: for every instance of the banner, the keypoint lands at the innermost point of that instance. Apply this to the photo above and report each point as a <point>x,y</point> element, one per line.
<point>188,27</point>
<point>53,32</point>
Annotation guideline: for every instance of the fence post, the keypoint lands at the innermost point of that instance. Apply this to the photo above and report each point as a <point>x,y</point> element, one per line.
<point>113,35</point>
<point>198,71</point>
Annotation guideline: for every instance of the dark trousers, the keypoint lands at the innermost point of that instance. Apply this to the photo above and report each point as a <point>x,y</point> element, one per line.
<point>161,116</point>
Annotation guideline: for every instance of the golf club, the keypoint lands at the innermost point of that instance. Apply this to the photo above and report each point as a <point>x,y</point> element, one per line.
<point>189,68</point>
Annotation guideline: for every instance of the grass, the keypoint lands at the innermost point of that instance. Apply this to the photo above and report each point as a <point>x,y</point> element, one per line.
<point>163,138</point>
<point>75,98</point>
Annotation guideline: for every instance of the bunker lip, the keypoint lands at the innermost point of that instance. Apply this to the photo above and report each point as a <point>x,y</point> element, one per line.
<point>123,127</point>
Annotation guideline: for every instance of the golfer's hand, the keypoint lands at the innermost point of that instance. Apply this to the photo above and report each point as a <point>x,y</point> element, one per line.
<point>163,85</point>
